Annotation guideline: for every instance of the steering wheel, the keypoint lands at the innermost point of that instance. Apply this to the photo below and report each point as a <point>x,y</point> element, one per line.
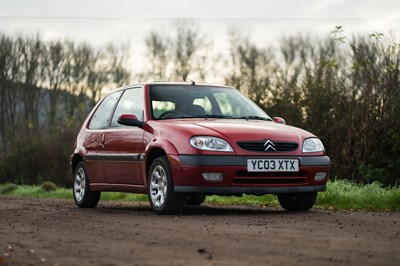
<point>169,114</point>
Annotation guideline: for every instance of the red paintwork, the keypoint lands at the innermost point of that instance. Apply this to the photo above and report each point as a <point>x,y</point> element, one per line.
<point>123,141</point>
<point>172,136</point>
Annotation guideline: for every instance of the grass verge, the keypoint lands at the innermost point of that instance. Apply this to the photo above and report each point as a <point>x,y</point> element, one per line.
<point>62,193</point>
<point>340,195</point>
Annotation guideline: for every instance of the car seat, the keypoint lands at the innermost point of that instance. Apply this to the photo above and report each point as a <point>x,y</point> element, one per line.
<point>196,110</point>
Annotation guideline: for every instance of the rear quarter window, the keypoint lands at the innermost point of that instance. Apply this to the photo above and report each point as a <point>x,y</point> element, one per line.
<point>102,116</point>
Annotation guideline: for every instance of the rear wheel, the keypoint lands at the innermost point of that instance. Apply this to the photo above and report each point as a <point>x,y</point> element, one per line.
<point>162,196</point>
<point>83,196</point>
<point>297,201</point>
<point>195,199</point>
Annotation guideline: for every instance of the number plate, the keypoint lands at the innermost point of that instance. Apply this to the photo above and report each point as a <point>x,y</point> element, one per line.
<point>272,165</point>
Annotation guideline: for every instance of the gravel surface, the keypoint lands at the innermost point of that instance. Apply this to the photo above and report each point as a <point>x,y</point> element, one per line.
<point>56,232</point>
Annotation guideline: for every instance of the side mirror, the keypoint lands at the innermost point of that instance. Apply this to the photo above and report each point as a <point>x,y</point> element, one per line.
<point>130,120</point>
<point>279,120</point>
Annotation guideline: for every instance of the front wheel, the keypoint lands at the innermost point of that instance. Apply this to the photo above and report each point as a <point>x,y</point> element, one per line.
<point>83,196</point>
<point>297,201</point>
<point>162,196</point>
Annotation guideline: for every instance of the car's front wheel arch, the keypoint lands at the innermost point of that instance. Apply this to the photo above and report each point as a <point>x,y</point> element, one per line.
<point>151,156</point>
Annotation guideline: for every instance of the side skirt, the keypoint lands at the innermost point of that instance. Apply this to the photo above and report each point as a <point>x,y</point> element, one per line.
<point>118,187</point>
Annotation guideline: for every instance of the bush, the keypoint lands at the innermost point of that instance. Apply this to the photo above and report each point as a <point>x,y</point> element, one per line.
<point>7,188</point>
<point>22,164</point>
<point>370,174</point>
<point>48,186</point>
<point>39,158</point>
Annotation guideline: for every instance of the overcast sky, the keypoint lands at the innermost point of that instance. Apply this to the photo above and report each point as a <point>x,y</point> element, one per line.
<point>102,21</point>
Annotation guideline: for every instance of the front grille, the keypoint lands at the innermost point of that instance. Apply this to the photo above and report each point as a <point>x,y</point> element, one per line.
<point>270,178</point>
<point>244,173</point>
<point>259,146</point>
<point>284,181</point>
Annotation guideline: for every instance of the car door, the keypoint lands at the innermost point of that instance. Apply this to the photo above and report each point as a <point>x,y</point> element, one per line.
<point>95,138</point>
<point>124,144</point>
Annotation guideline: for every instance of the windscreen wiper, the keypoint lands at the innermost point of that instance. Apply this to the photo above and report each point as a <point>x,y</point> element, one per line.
<point>254,117</point>
<point>217,116</point>
<point>199,116</point>
<point>207,116</point>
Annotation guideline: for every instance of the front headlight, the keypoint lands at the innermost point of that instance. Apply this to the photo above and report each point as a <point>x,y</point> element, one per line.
<point>210,143</point>
<point>313,145</point>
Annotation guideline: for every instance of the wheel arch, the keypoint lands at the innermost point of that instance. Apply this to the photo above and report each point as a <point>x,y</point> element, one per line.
<point>153,154</point>
<point>157,148</point>
<point>76,158</point>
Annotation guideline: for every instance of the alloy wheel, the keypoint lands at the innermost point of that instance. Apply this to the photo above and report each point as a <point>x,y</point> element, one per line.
<point>79,184</point>
<point>158,186</point>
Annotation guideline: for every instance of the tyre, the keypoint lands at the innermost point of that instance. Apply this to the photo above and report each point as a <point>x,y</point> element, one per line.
<point>83,196</point>
<point>297,201</point>
<point>195,199</point>
<point>162,198</point>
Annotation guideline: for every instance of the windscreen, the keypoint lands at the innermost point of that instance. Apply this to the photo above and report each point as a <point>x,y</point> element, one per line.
<point>180,101</point>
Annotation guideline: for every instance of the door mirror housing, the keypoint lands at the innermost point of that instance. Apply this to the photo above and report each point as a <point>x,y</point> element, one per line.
<point>130,120</point>
<point>279,120</point>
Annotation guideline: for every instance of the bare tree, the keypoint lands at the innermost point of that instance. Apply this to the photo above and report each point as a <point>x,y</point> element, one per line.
<point>375,80</point>
<point>251,68</point>
<point>76,83</point>
<point>9,92</point>
<point>116,57</point>
<point>185,53</point>
<point>97,75</point>
<point>184,48</point>
<point>55,63</point>
<point>157,53</point>
<point>31,67</point>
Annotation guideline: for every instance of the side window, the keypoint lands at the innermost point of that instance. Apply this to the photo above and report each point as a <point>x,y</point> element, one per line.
<point>132,102</point>
<point>101,117</point>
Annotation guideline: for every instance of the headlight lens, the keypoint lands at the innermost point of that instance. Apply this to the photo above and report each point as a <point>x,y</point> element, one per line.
<point>208,143</point>
<point>313,145</point>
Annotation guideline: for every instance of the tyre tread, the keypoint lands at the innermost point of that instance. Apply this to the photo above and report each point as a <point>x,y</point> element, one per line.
<point>298,201</point>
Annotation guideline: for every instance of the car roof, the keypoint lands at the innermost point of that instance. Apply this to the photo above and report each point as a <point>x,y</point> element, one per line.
<point>167,83</point>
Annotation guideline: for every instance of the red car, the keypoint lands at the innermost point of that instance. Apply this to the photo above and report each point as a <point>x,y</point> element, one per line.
<point>178,142</point>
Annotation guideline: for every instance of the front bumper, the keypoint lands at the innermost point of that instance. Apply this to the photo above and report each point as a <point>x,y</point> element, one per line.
<point>187,171</point>
<point>233,160</point>
<point>248,190</point>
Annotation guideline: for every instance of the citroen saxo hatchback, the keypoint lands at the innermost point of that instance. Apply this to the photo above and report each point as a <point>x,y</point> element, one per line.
<point>178,142</point>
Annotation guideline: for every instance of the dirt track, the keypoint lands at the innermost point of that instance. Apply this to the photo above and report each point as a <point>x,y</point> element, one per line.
<point>55,232</point>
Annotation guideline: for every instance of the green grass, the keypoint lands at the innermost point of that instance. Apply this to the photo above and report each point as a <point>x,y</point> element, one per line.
<point>341,195</point>
<point>344,195</point>
<point>63,193</point>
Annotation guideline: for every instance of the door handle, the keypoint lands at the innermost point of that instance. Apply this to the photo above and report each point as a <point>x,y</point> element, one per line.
<point>103,140</point>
